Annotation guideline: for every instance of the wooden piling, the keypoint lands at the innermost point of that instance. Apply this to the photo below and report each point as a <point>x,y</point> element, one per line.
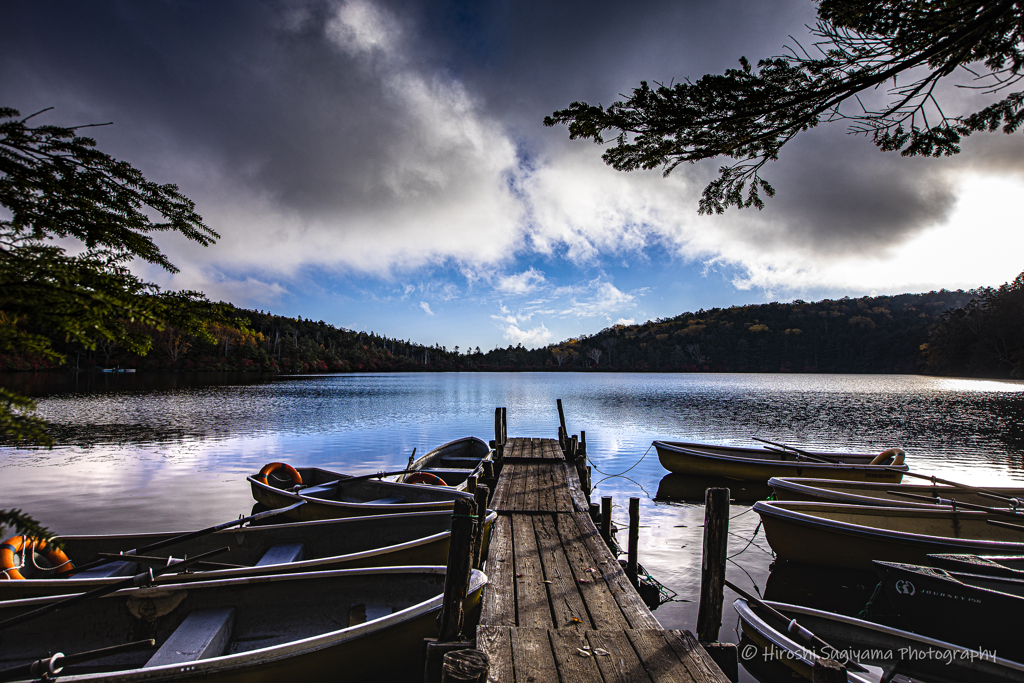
<point>504,426</point>
<point>634,539</point>
<point>481,496</point>
<point>595,513</point>
<point>471,483</point>
<point>465,665</point>
<point>712,575</point>
<point>456,579</point>
<point>828,671</point>
<point>583,442</point>
<point>499,441</point>
<point>606,519</point>
<point>561,418</point>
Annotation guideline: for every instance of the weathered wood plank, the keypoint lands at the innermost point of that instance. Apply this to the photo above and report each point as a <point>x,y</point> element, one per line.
<point>572,477</point>
<point>601,605</point>
<point>660,660</point>
<point>698,662</point>
<point>532,606</point>
<point>567,646</point>
<point>622,664</point>
<point>496,641</point>
<point>629,601</point>
<point>532,657</point>
<point>499,600</point>
<point>562,492</point>
<point>566,602</point>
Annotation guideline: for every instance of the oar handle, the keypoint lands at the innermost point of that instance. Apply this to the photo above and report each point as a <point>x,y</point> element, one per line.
<point>806,454</point>
<point>946,482</point>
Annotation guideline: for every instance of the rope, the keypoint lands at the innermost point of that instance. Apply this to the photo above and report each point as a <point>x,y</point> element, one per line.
<point>866,612</point>
<point>609,476</point>
<point>749,543</point>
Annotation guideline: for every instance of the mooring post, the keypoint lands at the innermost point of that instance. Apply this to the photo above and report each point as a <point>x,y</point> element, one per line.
<point>471,483</point>
<point>583,442</point>
<point>634,539</point>
<point>595,513</point>
<point>480,495</point>
<point>561,417</point>
<point>465,665</point>
<point>828,671</point>
<point>504,425</point>
<point>499,443</point>
<point>606,519</point>
<point>712,574</point>
<point>574,445</point>
<point>456,583</point>
<point>456,579</point>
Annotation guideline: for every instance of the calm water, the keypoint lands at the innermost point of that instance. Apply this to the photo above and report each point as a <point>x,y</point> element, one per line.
<point>159,453</point>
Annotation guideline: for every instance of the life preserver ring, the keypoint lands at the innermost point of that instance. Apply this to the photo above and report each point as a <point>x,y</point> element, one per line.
<point>897,455</point>
<point>424,478</point>
<point>275,466</point>
<point>10,548</point>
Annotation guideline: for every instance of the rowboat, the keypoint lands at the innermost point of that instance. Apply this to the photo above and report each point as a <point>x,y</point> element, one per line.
<point>852,535</point>
<point>754,464</point>
<point>882,494</point>
<point>767,643</point>
<point>419,538</point>
<point>690,488</point>
<point>981,612</point>
<point>328,495</point>
<point>344,625</point>
<point>452,462</point>
<point>988,565</point>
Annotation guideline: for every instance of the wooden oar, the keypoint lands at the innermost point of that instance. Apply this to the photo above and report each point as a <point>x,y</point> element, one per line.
<point>813,456</point>
<point>1014,502</point>
<point>1005,525</point>
<point>362,477</point>
<point>138,581</point>
<point>190,535</point>
<point>160,561</point>
<point>955,503</point>
<point>51,666</point>
<point>794,628</point>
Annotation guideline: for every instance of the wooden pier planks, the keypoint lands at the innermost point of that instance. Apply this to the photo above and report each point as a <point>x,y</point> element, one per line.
<point>569,656</point>
<point>556,592</point>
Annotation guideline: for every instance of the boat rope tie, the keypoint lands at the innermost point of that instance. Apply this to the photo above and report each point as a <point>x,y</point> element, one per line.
<point>866,612</point>
<point>750,542</point>
<point>609,476</point>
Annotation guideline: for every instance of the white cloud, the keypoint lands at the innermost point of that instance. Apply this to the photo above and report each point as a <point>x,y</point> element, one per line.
<point>426,308</point>
<point>625,321</point>
<point>532,338</point>
<point>521,283</point>
<point>604,298</point>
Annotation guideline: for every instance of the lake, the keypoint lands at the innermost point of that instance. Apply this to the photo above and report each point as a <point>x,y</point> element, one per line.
<point>152,452</point>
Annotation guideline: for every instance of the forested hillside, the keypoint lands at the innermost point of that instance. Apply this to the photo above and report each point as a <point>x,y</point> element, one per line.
<point>972,333</point>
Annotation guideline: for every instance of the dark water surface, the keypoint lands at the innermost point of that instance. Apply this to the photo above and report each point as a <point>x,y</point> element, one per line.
<point>151,452</point>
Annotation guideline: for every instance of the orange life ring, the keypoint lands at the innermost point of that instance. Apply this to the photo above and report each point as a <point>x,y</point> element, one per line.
<point>895,453</point>
<point>273,467</point>
<point>424,478</point>
<point>10,548</point>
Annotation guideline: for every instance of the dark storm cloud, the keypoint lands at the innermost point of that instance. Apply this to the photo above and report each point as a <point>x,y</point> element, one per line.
<point>246,101</point>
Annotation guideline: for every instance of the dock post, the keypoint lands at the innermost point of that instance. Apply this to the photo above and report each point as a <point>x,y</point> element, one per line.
<point>561,419</point>
<point>504,425</point>
<point>634,538</point>
<point>480,495</point>
<point>712,574</point>
<point>606,520</point>
<point>456,582</point>
<point>499,443</point>
<point>595,513</point>
<point>574,445</point>
<point>471,483</point>
<point>583,442</point>
<point>828,671</point>
<point>465,665</point>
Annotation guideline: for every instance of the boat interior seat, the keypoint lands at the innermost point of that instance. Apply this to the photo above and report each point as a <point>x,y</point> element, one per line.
<point>386,501</point>
<point>463,462</point>
<point>205,633</point>
<point>316,490</point>
<point>282,554</point>
<point>119,568</point>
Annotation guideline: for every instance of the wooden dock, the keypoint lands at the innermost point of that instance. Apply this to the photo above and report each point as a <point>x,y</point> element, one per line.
<point>558,606</point>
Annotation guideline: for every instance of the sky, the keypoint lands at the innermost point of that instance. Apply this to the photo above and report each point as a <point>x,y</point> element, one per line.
<point>382,165</point>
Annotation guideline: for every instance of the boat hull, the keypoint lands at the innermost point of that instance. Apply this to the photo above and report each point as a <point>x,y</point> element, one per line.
<point>750,464</point>
<point>851,536</point>
<point>385,648</point>
<point>453,462</point>
<point>881,494</point>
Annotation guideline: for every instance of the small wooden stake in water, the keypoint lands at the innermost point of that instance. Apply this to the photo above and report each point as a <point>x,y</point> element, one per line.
<point>712,574</point>
<point>481,496</point>
<point>634,539</point>
<point>456,579</point>
<point>465,665</point>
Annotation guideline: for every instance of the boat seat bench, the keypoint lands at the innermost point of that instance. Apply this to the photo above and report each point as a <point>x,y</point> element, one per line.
<point>282,554</point>
<point>205,633</point>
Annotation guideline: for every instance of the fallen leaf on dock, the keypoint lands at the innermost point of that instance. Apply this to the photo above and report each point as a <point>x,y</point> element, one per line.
<point>518,576</point>
<point>584,653</point>
<point>582,580</point>
<point>601,652</point>
<point>577,620</point>
<point>545,581</point>
<point>590,569</point>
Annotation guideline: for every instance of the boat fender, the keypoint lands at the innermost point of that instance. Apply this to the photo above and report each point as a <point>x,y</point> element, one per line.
<point>424,478</point>
<point>894,454</point>
<point>275,466</point>
<point>10,548</point>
